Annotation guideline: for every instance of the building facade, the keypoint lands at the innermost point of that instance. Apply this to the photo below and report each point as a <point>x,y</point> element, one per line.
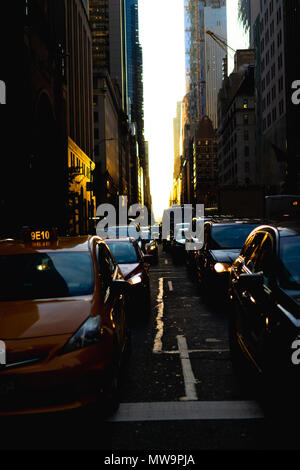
<point>237,159</point>
<point>56,92</point>
<point>278,50</point>
<point>136,90</point>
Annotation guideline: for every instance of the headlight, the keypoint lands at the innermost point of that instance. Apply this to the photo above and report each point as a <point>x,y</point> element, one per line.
<point>222,267</point>
<point>135,279</point>
<point>89,333</point>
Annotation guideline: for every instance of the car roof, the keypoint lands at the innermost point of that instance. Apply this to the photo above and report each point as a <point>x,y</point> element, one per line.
<point>78,243</point>
<point>289,228</point>
<point>121,239</point>
<point>233,222</point>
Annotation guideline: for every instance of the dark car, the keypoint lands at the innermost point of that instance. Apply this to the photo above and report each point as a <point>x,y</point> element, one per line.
<point>178,245</point>
<point>134,266</point>
<point>149,244</point>
<point>222,243</point>
<point>264,320</point>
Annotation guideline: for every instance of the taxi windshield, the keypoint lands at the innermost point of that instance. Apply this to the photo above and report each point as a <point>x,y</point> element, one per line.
<point>45,275</point>
<point>230,236</point>
<point>123,252</point>
<point>289,266</point>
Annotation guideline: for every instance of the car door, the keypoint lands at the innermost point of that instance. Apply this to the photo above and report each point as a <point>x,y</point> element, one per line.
<point>202,255</point>
<point>113,301</point>
<point>256,300</point>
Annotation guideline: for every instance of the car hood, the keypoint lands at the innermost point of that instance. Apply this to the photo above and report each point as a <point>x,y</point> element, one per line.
<point>40,318</point>
<point>130,269</point>
<point>225,256</point>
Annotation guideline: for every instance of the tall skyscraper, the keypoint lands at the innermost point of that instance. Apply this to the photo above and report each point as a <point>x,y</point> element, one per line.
<point>204,57</point>
<point>135,87</point>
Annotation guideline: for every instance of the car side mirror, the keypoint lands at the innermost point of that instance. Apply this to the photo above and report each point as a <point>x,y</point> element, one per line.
<point>120,287</point>
<point>251,281</point>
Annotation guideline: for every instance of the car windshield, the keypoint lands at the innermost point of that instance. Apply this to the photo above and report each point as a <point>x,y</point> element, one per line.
<point>289,266</point>
<point>230,236</point>
<point>45,275</point>
<point>123,231</point>
<point>123,252</point>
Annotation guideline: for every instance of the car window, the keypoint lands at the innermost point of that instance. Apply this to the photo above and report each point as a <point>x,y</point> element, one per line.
<point>106,267</point>
<point>251,249</point>
<point>231,236</point>
<point>123,252</point>
<point>264,261</point>
<point>289,266</point>
<point>45,275</point>
<point>206,234</point>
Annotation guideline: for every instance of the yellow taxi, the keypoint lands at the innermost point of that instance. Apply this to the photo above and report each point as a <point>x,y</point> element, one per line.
<point>63,329</point>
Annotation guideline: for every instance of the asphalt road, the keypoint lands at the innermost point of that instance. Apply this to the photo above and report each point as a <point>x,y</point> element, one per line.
<point>179,394</point>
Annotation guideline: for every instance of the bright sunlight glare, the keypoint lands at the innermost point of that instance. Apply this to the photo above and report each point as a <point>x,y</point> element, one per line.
<point>161,26</point>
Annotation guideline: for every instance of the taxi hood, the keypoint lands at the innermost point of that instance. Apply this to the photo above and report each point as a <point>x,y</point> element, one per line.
<point>130,269</point>
<point>38,318</point>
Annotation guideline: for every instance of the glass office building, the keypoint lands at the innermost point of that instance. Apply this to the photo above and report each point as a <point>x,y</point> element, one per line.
<point>204,57</point>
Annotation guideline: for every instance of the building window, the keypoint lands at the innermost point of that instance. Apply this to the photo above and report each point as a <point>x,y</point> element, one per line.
<point>246,119</point>
<point>96,116</point>
<point>280,107</point>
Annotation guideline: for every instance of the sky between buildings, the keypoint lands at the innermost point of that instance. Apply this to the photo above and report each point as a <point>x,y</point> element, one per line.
<point>161,25</point>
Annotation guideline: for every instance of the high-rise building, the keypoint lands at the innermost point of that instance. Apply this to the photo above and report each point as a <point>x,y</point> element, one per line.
<point>135,88</point>
<point>53,172</point>
<point>204,176</point>
<point>278,49</point>
<point>204,58</point>
<point>111,128</point>
<point>204,73</point>
<point>177,121</point>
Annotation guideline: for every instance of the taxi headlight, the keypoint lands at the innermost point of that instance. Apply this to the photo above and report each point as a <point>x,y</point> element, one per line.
<point>221,267</point>
<point>88,334</point>
<point>135,280</point>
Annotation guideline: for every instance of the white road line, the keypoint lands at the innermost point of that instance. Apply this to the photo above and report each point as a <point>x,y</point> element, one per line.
<point>185,411</point>
<point>170,285</point>
<point>157,347</point>
<point>188,375</point>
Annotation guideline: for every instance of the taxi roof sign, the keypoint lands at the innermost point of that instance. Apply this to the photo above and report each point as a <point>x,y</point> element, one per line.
<point>39,234</point>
